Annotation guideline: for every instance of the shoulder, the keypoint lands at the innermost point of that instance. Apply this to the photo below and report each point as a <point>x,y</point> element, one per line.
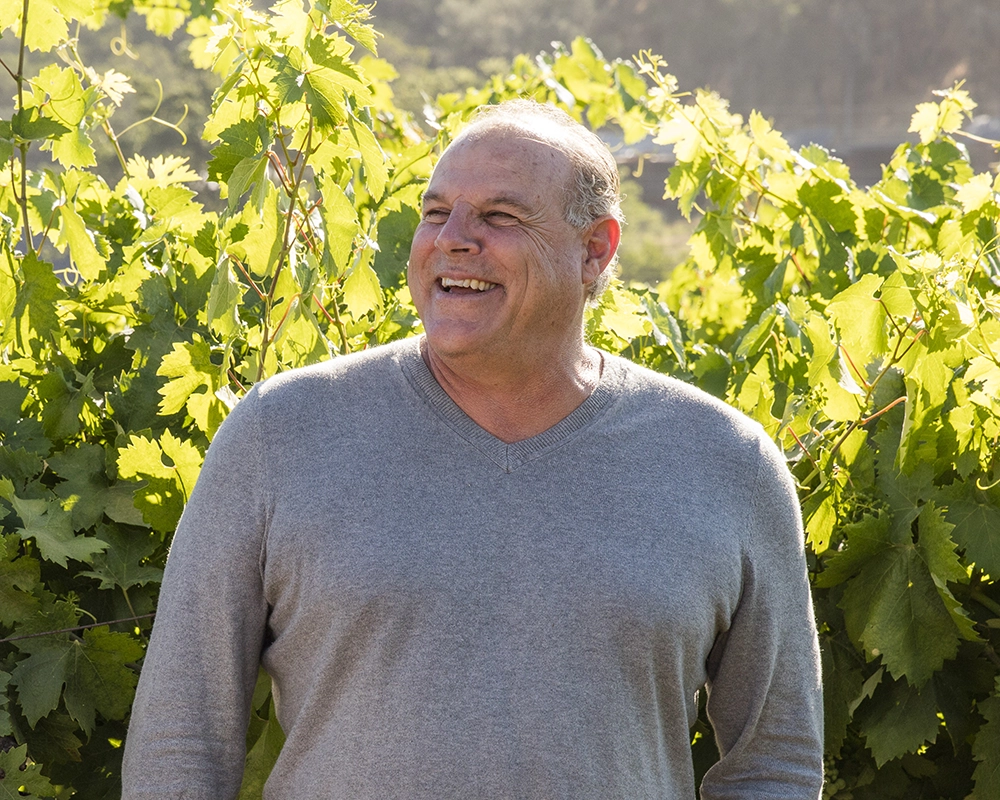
<point>361,374</point>
<point>336,391</point>
<point>685,410</point>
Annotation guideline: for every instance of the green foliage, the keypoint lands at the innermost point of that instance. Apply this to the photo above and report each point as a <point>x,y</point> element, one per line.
<point>861,328</point>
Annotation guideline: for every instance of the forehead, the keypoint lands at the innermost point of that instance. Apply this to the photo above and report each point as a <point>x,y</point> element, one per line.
<point>502,163</point>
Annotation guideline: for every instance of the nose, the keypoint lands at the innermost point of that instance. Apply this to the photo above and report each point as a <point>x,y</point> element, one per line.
<point>459,235</point>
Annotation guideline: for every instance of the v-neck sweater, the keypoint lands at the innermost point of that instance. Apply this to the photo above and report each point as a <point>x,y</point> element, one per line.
<point>445,615</point>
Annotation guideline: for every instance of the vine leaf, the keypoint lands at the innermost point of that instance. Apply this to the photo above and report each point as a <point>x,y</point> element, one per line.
<point>17,772</point>
<point>986,750</point>
<point>34,314</point>
<point>977,528</point>
<point>122,564</point>
<point>89,674</point>
<point>167,486</point>
<point>899,719</point>
<point>51,527</point>
<point>19,577</point>
<point>85,488</point>
<point>897,604</point>
<point>194,380</point>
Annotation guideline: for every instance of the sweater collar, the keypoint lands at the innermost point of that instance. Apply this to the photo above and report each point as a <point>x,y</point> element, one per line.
<point>509,456</point>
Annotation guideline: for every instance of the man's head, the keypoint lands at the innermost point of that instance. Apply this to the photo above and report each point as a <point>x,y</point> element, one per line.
<point>594,190</point>
<point>498,271</point>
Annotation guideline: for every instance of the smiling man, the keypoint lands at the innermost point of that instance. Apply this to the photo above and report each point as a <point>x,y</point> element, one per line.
<point>490,562</point>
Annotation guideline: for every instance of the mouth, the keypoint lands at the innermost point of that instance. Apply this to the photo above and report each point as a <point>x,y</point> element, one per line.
<point>465,285</point>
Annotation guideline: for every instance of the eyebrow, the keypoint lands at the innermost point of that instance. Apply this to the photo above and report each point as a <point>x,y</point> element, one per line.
<point>498,200</point>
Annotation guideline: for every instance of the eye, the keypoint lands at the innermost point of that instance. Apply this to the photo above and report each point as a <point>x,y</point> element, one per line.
<point>500,218</point>
<point>435,215</point>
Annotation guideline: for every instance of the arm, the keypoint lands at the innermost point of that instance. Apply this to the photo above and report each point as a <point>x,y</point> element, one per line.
<point>764,691</point>
<point>187,732</point>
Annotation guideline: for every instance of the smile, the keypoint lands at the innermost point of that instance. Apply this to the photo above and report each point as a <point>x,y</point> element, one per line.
<point>467,283</point>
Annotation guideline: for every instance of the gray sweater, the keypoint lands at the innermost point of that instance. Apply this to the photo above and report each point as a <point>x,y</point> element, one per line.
<point>447,616</point>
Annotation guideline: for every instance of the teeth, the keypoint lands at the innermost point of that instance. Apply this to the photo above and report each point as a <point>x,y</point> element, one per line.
<point>467,283</point>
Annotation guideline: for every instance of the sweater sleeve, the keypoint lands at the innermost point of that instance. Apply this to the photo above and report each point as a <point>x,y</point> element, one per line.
<point>187,732</point>
<point>764,691</point>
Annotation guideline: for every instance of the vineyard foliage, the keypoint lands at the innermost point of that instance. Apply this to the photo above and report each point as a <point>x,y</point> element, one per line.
<point>859,326</point>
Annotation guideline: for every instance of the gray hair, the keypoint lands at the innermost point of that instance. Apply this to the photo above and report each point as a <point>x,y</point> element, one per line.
<point>594,191</point>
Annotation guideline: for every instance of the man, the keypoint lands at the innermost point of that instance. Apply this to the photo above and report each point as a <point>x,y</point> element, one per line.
<point>492,562</point>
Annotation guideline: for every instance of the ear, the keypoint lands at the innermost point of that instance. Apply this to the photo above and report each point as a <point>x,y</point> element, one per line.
<point>601,243</point>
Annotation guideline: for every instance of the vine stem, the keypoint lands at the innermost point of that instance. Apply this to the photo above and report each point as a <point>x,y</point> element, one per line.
<point>77,628</point>
<point>337,322</point>
<point>985,601</point>
<point>863,420</point>
<point>23,146</point>
<point>288,240</point>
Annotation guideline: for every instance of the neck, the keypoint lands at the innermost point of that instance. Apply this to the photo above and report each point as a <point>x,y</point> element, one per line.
<point>515,403</point>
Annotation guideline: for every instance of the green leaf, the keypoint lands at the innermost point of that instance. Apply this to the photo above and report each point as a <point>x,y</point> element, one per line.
<point>75,149</point>
<point>819,513</point>
<point>83,252</point>
<point>194,380</point>
<point>898,720</point>
<point>17,773</point>
<point>167,486</point>
<point>52,530</point>
<point>248,174</point>
<point>19,578</point>
<point>843,683</point>
<point>665,328</point>
<point>90,674</point>
<point>374,160</point>
<point>898,605</point>
<point>6,725</point>
<point>623,313</point>
<point>977,527</point>
<point>35,310</point>
<point>246,139</point>
<point>224,300</point>
<point>64,100</point>
<point>264,742</point>
<point>362,292</point>
<point>63,405</point>
<point>986,750</point>
<point>261,244</point>
<point>828,200</point>
<point>121,565</point>
<point>28,124</point>
<point>860,320</point>
<point>85,488</point>
<point>340,226</point>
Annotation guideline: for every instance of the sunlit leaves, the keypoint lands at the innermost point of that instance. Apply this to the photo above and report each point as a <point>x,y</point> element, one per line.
<point>168,468</point>
<point>897,605</point>
<point>883,392</point>
<point>20,773</point>
<point>933,119</point>
<point>192,386</point>
<point>19,577</point>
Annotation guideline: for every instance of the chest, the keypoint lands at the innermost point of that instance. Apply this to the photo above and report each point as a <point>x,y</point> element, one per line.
<point>452,543</point>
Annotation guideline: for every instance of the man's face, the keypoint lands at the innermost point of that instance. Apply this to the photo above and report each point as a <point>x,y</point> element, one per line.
<point>495,270</point>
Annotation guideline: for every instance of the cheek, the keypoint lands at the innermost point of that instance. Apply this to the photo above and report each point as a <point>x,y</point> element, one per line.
<point>421,248</point>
